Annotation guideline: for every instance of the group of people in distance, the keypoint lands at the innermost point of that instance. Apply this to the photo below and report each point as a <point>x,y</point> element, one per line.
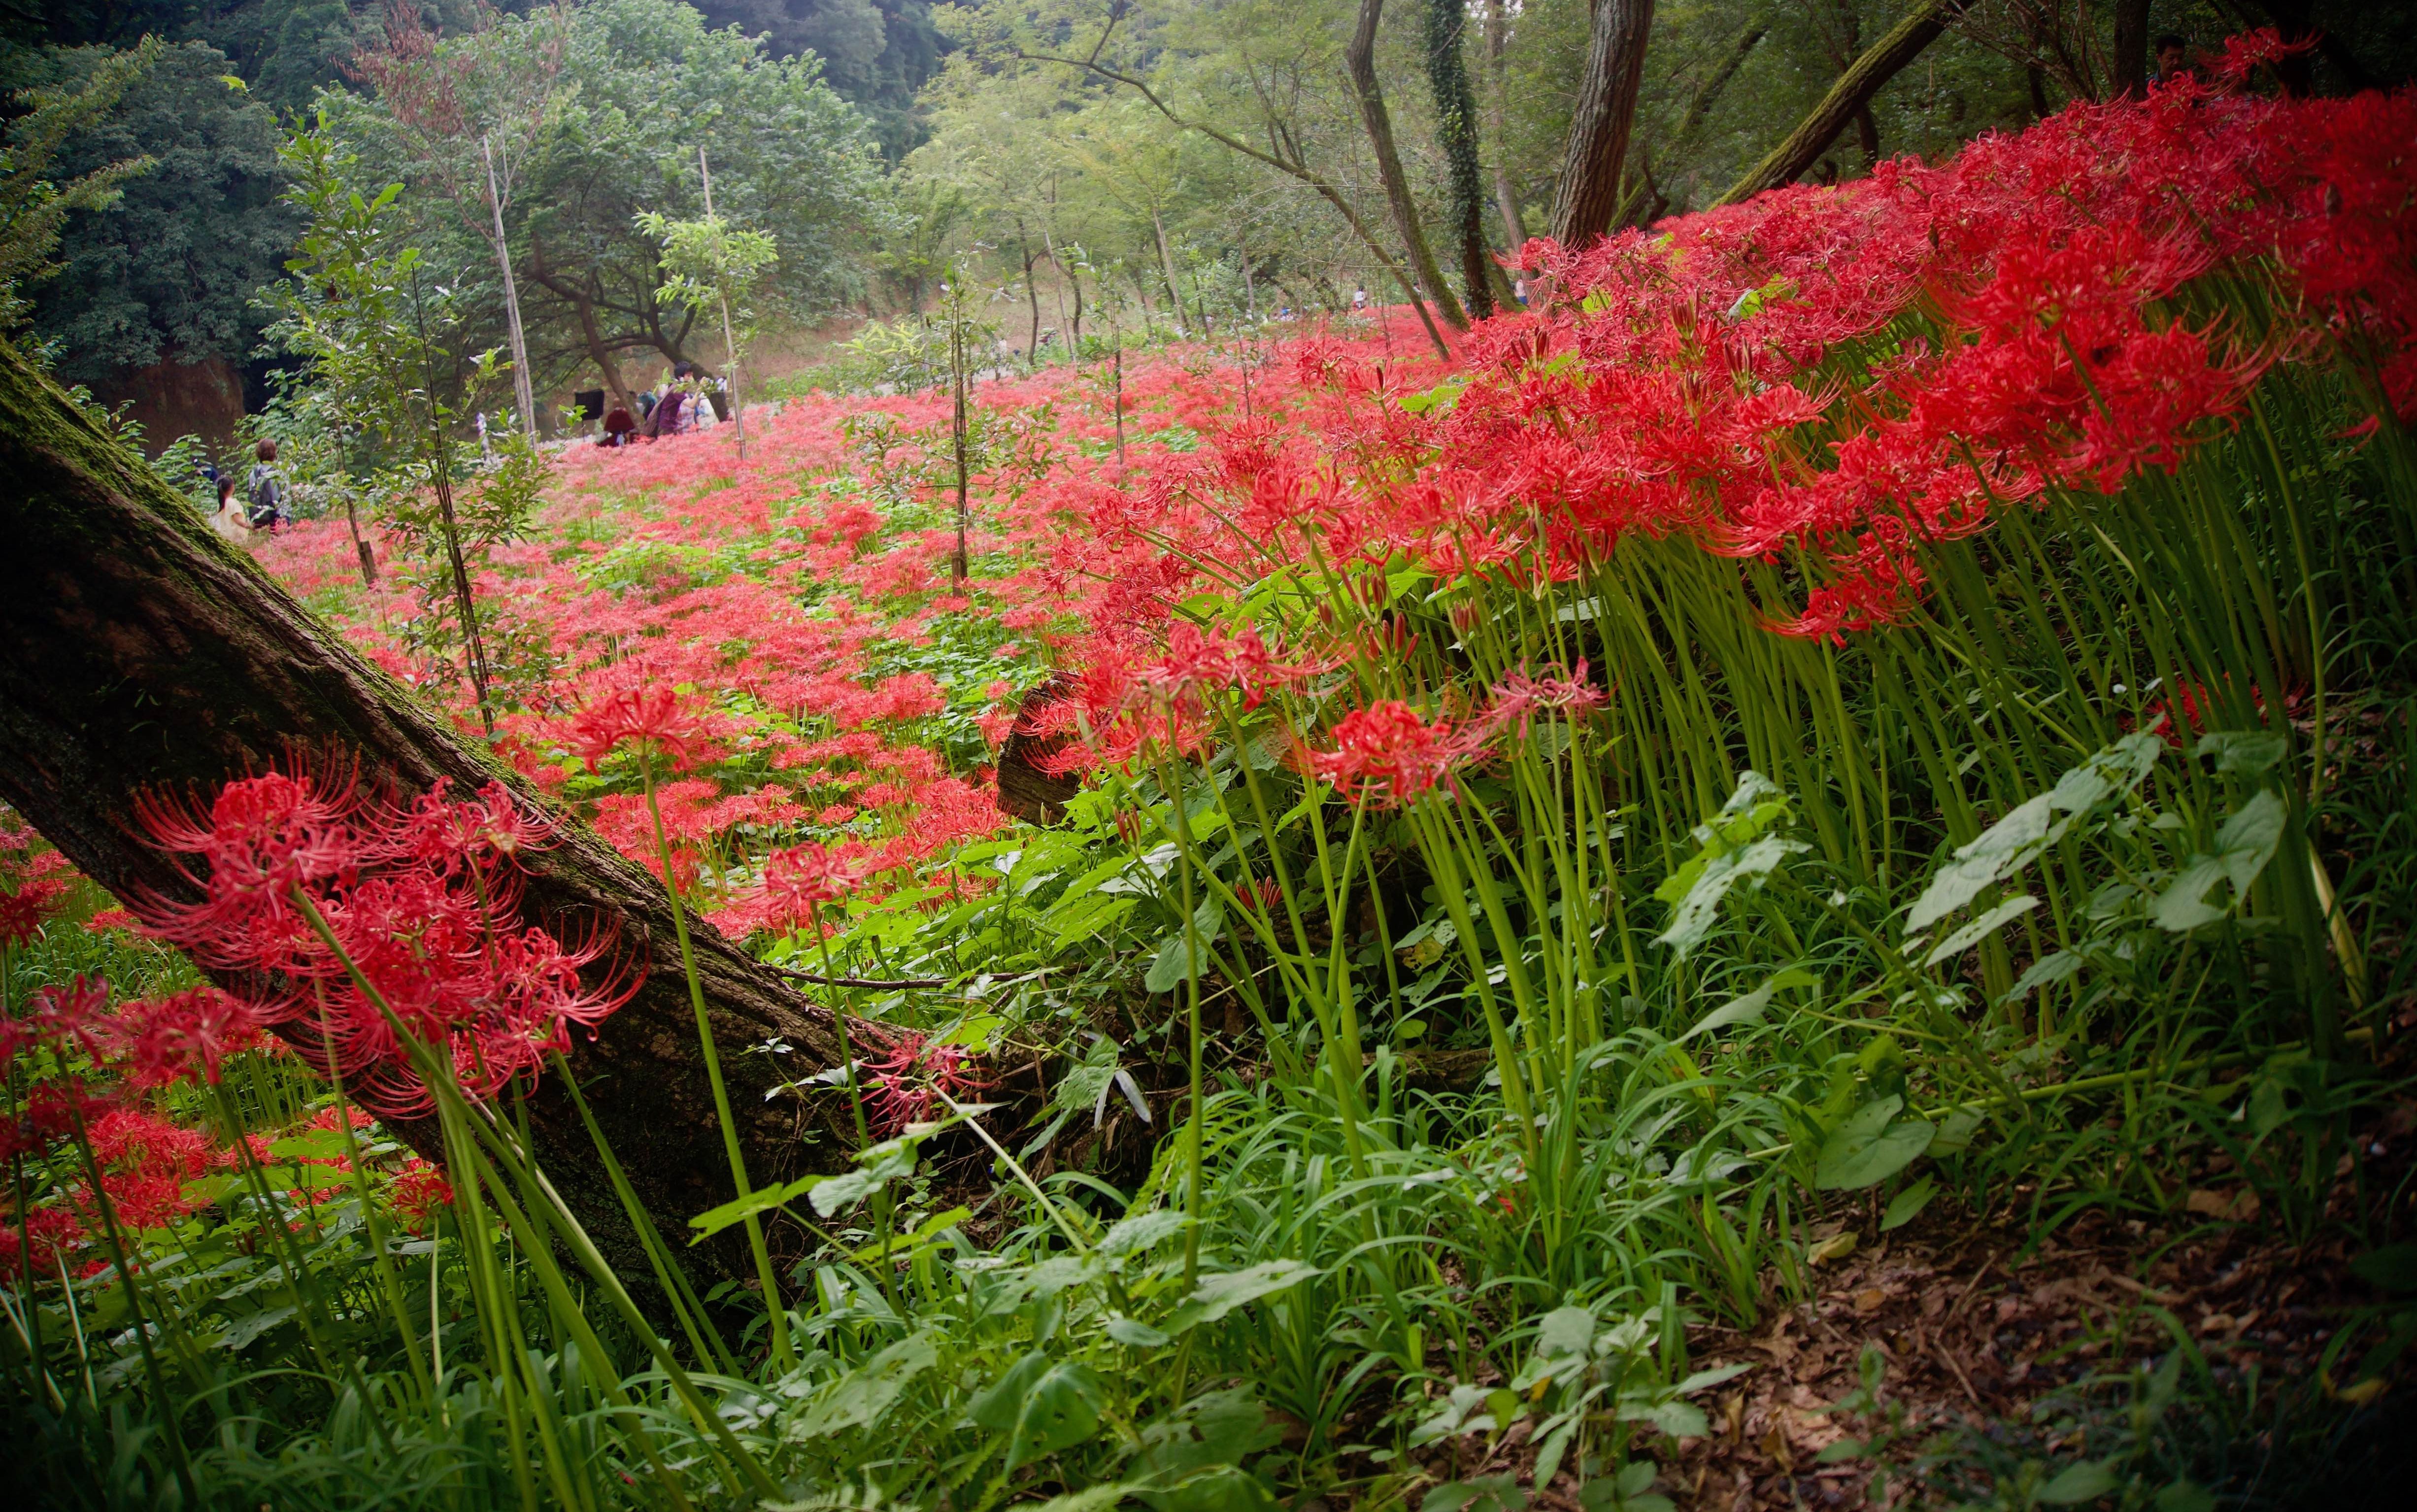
<point>685,401</point>
<point>263,506</point>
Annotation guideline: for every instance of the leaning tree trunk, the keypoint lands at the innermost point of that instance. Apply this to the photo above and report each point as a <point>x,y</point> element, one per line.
<point>1360,59</point>
<point>139,652</point>
<point>1853,92</point>
<point>1588,198</point>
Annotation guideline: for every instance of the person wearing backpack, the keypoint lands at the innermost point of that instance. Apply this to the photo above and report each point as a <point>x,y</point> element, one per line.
<point>267,490</point>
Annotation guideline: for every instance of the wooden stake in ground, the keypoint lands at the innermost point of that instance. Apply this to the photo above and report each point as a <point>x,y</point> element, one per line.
<point>729,346</point>
<point>522,388</point>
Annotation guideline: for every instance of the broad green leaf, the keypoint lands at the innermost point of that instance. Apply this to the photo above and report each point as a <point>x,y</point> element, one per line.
<point>905,1246</point>
<point>1674,1419</point>
<point>1041,1405</point>
<point>2250,752</point>
<point>1700,905</point>
<point>1979,929</point>
<point>2086,1481</point>
<point>1088,918</point>
<point>251,1325</point>
<point>1750,1007</point>
<point>866,1393</point>
<point>1565,1331</point>
<point>1133,1234</point>
<point>1095,1499</point>
<point>1134,1333</point>
<point>2046,971</point>
<point>763,1199</point>
<point>1871,1147</point>
<point>2393,1268</point>
<point>1219,1294</point>
<point>1217,1428</point>
<point>2018,840</point>
<point>1479,1493</point>
<point>1907,1205</point>
<point>875,1169</point>
<point>2244,844</point>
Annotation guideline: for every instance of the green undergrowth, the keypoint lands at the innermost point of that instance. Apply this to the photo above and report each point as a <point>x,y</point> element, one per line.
<point>1369,1132</point>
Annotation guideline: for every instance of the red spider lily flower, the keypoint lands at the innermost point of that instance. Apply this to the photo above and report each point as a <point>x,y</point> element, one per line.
<point>421,903</point>
<point>905,1086</point>
<point>62,1020</point>
<point>1519,696</point>
<point>1385,753</point>
<point>165,1040</point>
<point>418,1190</point>
<point>24,912</point>
<point>50,1111</point>
<point>800,881</point>
<point>647,717</point>
<point>2244,54</point>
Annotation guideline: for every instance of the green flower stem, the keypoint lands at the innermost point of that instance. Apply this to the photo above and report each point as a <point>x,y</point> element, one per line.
<point>775,1310</point>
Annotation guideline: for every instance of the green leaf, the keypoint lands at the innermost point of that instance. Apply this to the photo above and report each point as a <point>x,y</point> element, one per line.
<point>2250,752</point>
<point>2243,846</point>
<point>1871,1147</point>
<point>905,1246</point>
<point>1139,1231</point>
<point>2393,1268</point>
<point>1041,1405</point>
<point>1479,1493</point>
<point>1979,929</point>
<point>251,1325</point>
<point>1095,1499</point>
<point>1907,1205</point>
<point>1750,1007</point>
<point>1088,917</point>
<point>2185,1496</point>
<point>1565,1331</point>
<point>2086,1481</point>
<point>866,1393</point>
<point>1673,1418</point>
<point>1699,906</point>
<point>1219,1294</point>
<point>876,1167</point>
<point>2018,840</point>
<point>763,1199</point>
<point>1217,1428</point>
<point>1134,1334</point>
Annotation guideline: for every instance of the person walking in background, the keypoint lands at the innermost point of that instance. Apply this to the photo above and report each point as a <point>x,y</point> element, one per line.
<point>266,491</point>
<point>230,521</point>
<point>619,427</point>
<point>664,419</point>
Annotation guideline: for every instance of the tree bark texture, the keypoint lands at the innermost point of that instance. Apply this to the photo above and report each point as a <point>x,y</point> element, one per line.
<point>1506,199</point>
<point>1588,198</point>
<point>1456,124</point>
<point>2131,50</point>
<point>1359,58</point>
<point>139,652</point>
<point>1853,92</point>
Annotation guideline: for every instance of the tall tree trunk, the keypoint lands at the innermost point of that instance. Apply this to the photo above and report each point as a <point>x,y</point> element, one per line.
<point>140,653</point>
<point>523,388</point>
<point>1497,97</point>
<point>1854,91</point>
<point>1589,196</point>
<point>2131,50</point>
<point>1456,124</point>
<point>1166,265</point>
<point>582,298</point>
<point>1360,57</point>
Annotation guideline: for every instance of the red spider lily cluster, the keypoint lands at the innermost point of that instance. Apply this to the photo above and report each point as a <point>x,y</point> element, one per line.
<point>1824,376</point>
<point>33,884</point>
<point>905,1086</point>
<point>2019,329</point>
<point>354,925</point>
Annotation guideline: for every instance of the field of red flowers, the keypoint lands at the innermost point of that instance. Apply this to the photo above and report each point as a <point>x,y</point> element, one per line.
<point>1813,705</point>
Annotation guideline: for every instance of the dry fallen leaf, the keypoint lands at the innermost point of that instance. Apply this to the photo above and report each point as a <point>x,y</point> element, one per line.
<point>1870,1300</point>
